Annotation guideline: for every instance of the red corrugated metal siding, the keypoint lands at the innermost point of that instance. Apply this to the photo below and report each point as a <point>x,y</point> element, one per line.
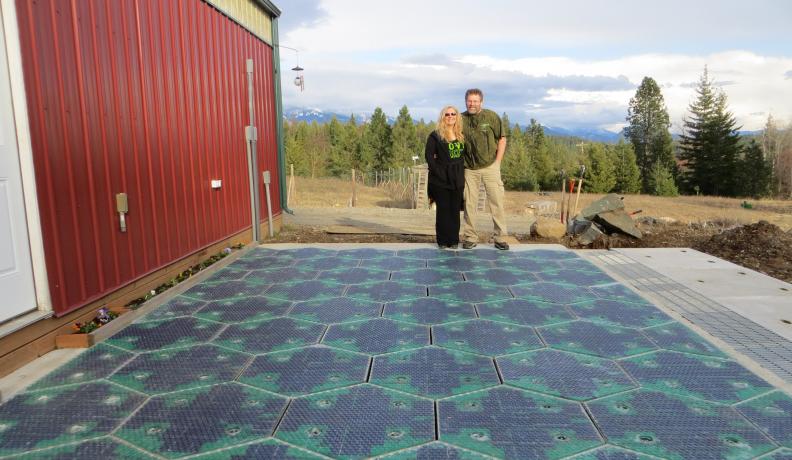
<point>146,97</point>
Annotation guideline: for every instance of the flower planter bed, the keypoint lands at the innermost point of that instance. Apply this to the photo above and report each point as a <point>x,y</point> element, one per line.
<point>82,340</point>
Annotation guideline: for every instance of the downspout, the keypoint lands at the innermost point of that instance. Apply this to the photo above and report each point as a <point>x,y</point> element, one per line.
<point>279,116</point>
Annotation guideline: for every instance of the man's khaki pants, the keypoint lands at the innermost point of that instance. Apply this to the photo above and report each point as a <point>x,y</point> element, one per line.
<point>493,184</point>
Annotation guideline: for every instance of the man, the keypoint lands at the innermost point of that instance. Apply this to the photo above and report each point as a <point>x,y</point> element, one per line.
<point>485,143</point>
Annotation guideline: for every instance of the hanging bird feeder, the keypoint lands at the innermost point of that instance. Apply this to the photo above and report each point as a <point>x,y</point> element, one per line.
<point>299,80</point>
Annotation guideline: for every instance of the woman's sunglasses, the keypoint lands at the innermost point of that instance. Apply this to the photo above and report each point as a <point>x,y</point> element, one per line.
<point>450,114</point>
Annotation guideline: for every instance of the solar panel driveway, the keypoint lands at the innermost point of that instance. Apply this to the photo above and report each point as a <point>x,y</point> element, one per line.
<point>316,352</point>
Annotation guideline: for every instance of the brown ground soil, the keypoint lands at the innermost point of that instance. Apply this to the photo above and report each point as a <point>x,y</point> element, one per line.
<point>758,238</point>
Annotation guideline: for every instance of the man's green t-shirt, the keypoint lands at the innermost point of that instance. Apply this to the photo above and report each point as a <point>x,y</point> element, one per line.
<point>482,133</point>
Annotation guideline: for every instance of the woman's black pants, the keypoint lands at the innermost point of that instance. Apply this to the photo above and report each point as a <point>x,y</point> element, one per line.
<point>449,204</point>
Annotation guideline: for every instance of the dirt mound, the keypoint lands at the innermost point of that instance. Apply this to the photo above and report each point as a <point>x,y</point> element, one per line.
<point>761,246</point>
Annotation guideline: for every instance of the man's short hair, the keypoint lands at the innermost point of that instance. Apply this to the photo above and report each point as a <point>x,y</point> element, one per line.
<point>474,92</point>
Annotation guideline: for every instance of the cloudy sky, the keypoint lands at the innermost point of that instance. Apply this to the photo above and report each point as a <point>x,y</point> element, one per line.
<point>567,63</point>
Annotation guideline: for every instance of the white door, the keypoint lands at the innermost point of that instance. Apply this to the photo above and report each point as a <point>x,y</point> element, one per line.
<point>17,290</point>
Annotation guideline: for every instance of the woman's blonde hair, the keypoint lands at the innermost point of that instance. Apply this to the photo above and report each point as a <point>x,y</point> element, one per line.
<point>445,133</point>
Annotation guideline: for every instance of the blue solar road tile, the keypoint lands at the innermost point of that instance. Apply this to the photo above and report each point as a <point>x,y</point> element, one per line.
<point>178,306</point>
<point>500,276</point>
<point>393,263</point>
<point>228,274</point>
<point>386,291</point>
<point>552,292</point>
<point>180,369</point>
<point>425,253</point>
<point>771,413</point>
<point>532,265</point>
<point>428,310</point>
<point>568,375</point>
<point>160,335</point>
<point>203,419</point>
<point>595,339</point>
<point>435,451</point>
<point>95,363</point>
<point>576,276</point>
<point>621,313</point>
<point>555,255</point>
<point>696,376</point>
<point>327,263</point>
<point>366,253</point>
<point>510,423</point>
<point>305,290</point>
<point>470,291</point>
<point>269,449</point>
<point>307,253</point>
<point>670,426</point>
<point>486,337</point>
<point>262,262</point>
<point>525,312</point>
<point>781,454</point>
<point>617,292</point>
<point>676,337</point>
<point>577,263</point>
<point>336,310</point>
<point>226,290</point>
<point>611,453</point>
<point>358,275</point>
<point>427,276</point>
<point>499,258</point>
<point>243,309</point>
<point>102,448</point>
<point>376,421</point>
<point>433,372</point>
<point>376,336</point>
<point>282,275</point>
<point>270,335</point>
<point>460,264</point>
<point>306,370</point>
<point>63,415</point>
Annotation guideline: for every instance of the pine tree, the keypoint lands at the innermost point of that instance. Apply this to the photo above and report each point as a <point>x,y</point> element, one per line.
<point>755,172</point>
<point>710,146</point>
<point>600,171</point>
<point>376,152</point>
<point>662,182</point>
<point>539,155</point>
<point>648,131</point>
<point>404,139</point>
<point>517,172</point>
<point>628,177</point>
<point>338,161</point>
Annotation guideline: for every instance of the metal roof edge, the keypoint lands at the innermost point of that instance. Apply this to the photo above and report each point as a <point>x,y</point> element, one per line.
<point>269,7</point>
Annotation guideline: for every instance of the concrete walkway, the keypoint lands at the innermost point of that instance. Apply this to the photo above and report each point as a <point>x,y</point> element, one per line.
<point>406,351</point>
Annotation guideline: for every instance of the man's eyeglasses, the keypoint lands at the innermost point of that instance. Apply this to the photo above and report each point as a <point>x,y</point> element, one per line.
<point>450,114</point>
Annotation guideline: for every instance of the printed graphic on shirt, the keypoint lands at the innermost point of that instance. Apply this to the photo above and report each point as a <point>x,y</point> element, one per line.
<point>455,149</point>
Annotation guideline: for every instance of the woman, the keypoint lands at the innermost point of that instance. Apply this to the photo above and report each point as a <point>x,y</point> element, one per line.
<point>444,150</point>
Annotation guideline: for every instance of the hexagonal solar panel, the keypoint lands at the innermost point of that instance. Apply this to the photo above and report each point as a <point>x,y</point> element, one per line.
<point>393,263</point>
<point>486,337</point>
<point>95,448</point>
<point>427,276</point>
<point>336,310</point>
<point>532,265</point>
<point>377,421</point>
<point>621,313</point>
<point>270,335</point>
<point>435,451</point>
<point>602,340</point>
<point>670,426</point>
<point>305,290</point>
<point>617,291</point>
<point>576,276</point>
<point>433,372</point>
<point>178,306</point>
<point>555,255</point>
<point>308,253</point>
<point>552,292</point>
<point>357,275</point>
<point>154,373</point>
<point>95,363</point>
<point>676,337</point>
<point>386,291</point>
<point>525,312</point>
<point>306,370</point>
<point>781,454</point>
<point>611,453</point>
<point>376,336</point>
<point>429,310</point>
<point>270,448</point>
<point>366,253</point>
<point>500,276</point>
<point>244,309</point>
<point>488,253</point>
<point>203,419</point>
<point>327,263</point>
<point>262,262</point>
<point>577,263</point>
<point>568,375</point>
<point>282,275</point>
<point>470,291</point>
<point>228,274</point>
<point>159,335</point>
<point>459,264</point>
<point>56,416</point>
<point>424,253</point>
<point>510,423</point>
<point>697,376</point>
<point>771,413</point>
<point>226,290</point>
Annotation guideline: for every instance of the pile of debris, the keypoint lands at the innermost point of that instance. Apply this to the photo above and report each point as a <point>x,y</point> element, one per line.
<point>605,216</point>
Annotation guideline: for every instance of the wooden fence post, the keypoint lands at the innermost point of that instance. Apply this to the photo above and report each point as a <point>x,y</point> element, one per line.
<point>290,189</point>
<point>354,194</point>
